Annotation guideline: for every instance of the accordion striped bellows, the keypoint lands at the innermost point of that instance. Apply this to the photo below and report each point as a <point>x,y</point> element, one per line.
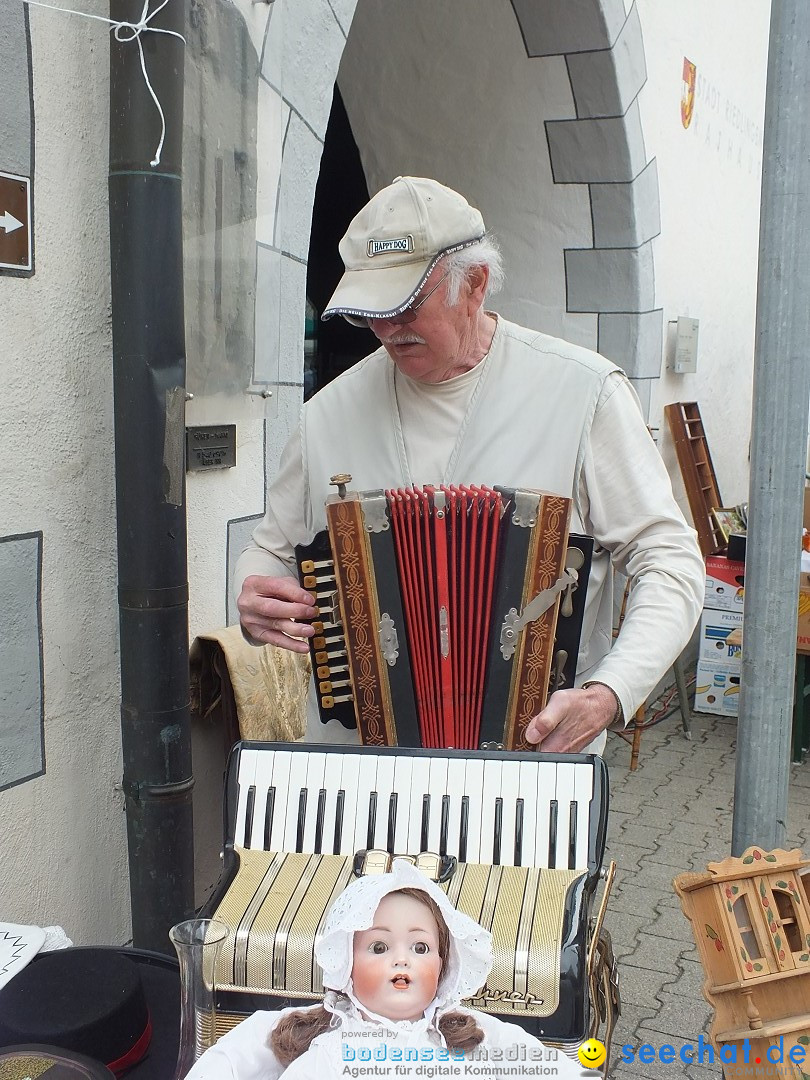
<point>446,550</point>
<point>438,612</point>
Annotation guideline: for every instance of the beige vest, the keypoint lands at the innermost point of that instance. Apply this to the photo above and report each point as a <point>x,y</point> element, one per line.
<point>527,425</point>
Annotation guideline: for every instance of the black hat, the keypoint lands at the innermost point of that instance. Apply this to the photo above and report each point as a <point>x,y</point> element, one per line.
<point>117,1006</point>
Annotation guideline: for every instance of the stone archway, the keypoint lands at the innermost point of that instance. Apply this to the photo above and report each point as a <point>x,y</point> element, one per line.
<point>600,147</point>
<point>603,147</point>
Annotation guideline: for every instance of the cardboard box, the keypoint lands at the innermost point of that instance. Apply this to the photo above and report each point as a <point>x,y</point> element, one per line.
<point>717,689</point>
<point>803,626</point>
<point>721,637</point>
<point>725,584</point>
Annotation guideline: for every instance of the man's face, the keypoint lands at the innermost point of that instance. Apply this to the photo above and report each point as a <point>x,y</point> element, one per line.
<point>396,963</point>
<point>441,342</point>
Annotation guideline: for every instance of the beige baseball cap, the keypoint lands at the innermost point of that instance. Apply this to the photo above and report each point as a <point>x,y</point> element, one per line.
<point>395,241</point>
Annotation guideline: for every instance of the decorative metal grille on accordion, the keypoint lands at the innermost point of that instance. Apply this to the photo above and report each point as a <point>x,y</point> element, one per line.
<point>438,612</point>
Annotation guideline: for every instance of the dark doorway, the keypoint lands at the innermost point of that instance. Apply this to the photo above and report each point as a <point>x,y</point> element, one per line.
<point>341,191</point>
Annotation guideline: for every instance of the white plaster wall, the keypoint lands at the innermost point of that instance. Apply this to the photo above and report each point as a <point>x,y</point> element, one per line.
<point>63,849</point>
<point>446,90</point>
<point>709,177</point>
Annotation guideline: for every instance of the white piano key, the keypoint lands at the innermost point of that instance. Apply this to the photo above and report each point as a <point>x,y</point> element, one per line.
<point>403,784</point>
<point>333,769</point>
<point>316,763</point>
<point>297,781</point>
<point>385,785</point>
<point>491,791</point>
<point>456,769</point>
<point>527,791</point>
<point>564,796</point>
<point>510,786</point>
<point>246,775</point>
<point>348,783</point>
<point>366,783</point>
<point>420,778</point>
<point>546,786</point>
<point>583,793</point>
<point>272,773</point>
<point>437,787</point>
<point>473,791</point>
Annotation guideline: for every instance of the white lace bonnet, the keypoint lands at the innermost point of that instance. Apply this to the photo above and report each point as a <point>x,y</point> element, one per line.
<point>470,956</point>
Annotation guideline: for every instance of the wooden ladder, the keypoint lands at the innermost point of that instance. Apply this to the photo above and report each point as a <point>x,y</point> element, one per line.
<point>697,470</point>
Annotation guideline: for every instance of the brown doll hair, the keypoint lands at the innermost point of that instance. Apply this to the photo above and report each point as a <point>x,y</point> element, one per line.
<point>294,1032</point>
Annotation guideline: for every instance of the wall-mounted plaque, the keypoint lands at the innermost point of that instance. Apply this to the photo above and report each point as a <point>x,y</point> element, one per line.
<point>210,447</point>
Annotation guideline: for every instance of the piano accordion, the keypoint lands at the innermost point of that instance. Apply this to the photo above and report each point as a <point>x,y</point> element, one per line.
<point>446,615</point>
<point>515,839</point>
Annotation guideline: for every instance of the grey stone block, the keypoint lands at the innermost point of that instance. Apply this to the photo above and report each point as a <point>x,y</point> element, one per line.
<point>575,26</point>
<point>610,280</point>
<point>239,532</point>
<point>15,92</point>
<point>644,389</point>
<point>299,174</point>
<point>607,151</point>
<point>344,13</point>
<point>626,215</point>
<point>22,750</point>
<point>635,342</point>
<point>606,83</point>
<point>280,306</point>
<point>311,29</point>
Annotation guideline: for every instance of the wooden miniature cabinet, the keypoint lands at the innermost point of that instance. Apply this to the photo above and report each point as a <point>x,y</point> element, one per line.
<point>751,922</point>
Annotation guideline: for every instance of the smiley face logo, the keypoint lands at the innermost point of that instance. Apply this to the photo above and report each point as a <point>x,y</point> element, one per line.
<point>592,1054</point>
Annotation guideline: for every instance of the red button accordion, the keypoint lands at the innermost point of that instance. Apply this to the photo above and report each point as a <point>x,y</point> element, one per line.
<point>438,612</point>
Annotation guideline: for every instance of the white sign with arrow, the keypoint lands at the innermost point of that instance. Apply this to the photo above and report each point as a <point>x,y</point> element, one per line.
<point>15,222</point>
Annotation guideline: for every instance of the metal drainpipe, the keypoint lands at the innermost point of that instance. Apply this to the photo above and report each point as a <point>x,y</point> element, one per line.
<point>146,255</point>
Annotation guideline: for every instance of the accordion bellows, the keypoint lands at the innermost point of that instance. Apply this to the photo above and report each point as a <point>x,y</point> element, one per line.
<point>438,611</point>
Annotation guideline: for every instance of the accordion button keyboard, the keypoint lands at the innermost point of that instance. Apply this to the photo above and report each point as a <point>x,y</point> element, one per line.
<point>480,810</point>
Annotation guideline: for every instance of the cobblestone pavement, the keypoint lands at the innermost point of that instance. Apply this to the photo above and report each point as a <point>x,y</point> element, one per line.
<point>674,813</point>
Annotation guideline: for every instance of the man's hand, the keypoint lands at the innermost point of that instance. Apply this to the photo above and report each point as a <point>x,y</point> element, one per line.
<point>571,719</point>
<point>269,608</point>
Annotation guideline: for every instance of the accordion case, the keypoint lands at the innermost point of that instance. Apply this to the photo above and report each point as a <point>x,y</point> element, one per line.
<point>446,615</point>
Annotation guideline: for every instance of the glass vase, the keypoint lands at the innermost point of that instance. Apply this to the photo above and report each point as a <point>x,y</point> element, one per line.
<point>197,942</point>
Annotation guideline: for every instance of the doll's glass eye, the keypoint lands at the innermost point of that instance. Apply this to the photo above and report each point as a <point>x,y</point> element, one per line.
<point>379,947</point>
<point>421,948</point>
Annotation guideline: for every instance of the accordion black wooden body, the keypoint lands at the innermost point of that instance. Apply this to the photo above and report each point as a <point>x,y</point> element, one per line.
<point>446,615</point>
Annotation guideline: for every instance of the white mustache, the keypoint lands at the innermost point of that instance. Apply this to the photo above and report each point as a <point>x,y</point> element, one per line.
<point>404,339</point>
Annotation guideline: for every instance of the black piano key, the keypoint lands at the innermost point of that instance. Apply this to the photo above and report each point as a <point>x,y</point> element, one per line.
<point>302,818</point>
<point>392,822</point>
<point>445,825</point>
<point>552,835</point>
<point>496,832</point>
<point>341,798</point>
<point>572,836</point>
<point>519,832</point>
<point>423,840</point>
<point>372,820</point>
<point>321,813</point>
<point>269,807</point>
<point>249,805</point>
<point>462,831</point>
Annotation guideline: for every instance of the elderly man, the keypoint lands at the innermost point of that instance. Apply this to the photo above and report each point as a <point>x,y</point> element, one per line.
<point>458,395</point>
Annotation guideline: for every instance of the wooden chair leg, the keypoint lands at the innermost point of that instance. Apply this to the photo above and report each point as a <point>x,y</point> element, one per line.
<point>635,747</point>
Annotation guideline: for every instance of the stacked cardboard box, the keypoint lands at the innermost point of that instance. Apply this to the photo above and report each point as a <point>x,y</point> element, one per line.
<point>720,655</point>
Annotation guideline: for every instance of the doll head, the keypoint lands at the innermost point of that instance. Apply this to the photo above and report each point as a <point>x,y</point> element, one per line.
<point>395,945</point>
<point>398,961</point>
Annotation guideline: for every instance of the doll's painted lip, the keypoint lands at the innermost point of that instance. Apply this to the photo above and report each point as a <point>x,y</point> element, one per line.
<point>398,980</point>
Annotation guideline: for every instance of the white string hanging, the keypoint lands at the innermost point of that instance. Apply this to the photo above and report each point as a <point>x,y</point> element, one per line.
<point>123,32</point>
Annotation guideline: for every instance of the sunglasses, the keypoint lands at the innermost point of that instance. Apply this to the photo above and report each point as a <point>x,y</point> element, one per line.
<point>404,317</point>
